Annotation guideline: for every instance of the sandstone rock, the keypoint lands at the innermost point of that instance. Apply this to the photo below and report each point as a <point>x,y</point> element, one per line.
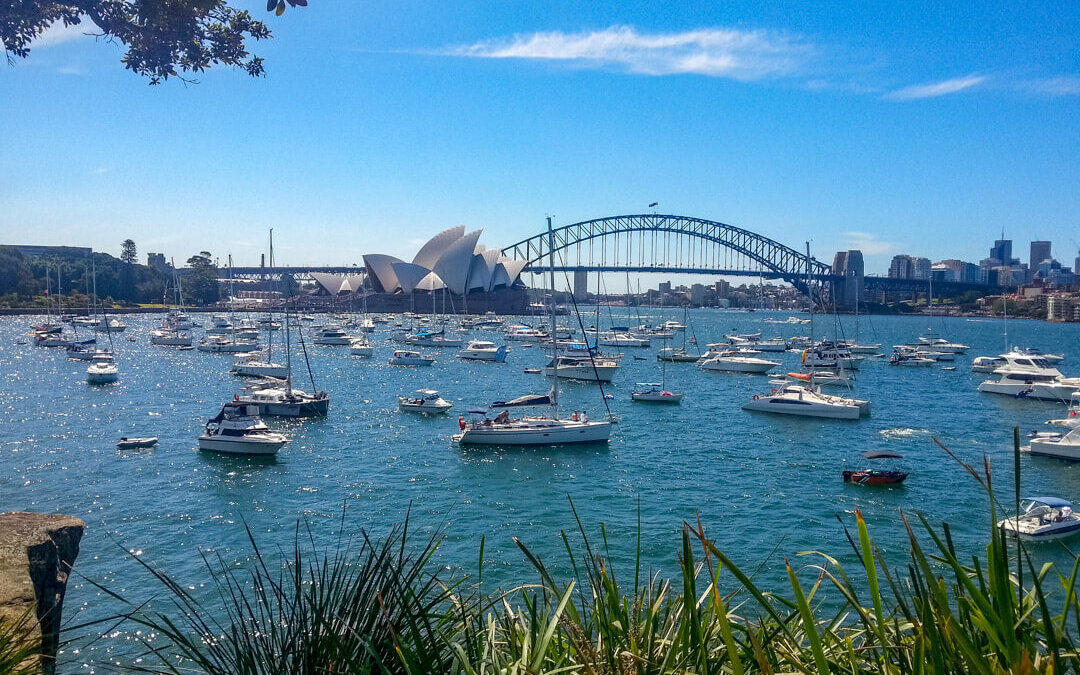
<point>37,551</point>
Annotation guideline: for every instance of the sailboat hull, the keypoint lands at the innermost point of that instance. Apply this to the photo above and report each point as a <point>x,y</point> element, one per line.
<point>561,433</point>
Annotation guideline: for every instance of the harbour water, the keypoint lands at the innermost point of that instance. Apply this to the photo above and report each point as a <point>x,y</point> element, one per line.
<point>766,487</point>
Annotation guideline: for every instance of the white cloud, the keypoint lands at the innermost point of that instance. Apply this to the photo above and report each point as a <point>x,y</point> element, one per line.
<point>1053,86</point>
<point>735,54</point>
<point>58,33</point>
<point>868,243</point>
<point>935,89</point>
<point>100,170</point>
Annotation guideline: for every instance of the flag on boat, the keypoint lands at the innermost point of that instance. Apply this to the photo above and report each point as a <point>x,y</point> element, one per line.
<point>654,204</point>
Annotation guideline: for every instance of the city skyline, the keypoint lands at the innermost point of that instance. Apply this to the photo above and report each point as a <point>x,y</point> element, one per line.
<point>921,130</point>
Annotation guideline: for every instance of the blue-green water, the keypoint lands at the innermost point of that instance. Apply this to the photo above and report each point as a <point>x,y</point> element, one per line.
<point>761,484</point>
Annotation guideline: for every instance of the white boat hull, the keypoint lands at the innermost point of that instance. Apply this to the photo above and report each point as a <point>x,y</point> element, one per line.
<point>562,433</point>
<point>1043,392</point>
<point>739,365</point>
<point>585,371</point>
<point>102,378</point>
<point>1051,447</point>
<point>652,397</point>
<point>241,445</point>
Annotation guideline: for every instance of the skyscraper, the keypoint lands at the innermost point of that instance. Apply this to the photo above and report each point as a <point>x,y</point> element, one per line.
<point>1040,251</point>
<point>1002,251</point>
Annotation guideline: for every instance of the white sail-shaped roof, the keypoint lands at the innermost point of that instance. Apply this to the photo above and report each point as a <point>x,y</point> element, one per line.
<point>430,252</point>
<point>330,282</point>
<point>380,270</point>
<point>506,272</point>
<point>483,268</point>
<point>454,263</point>
<point>431,282</point>
<point>411,277</point>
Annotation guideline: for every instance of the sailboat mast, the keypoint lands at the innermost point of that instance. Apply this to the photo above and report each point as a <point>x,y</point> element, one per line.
<point>269,330</point>
<point>554,335</point>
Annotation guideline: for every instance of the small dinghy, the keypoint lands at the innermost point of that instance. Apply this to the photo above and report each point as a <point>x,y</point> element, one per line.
<point>874,477</point>
<point>147,442</point>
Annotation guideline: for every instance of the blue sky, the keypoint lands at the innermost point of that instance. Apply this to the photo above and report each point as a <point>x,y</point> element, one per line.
<point>921,128</point>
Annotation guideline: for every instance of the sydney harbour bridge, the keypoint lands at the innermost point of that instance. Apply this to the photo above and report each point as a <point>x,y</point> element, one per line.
<point>656,243</point>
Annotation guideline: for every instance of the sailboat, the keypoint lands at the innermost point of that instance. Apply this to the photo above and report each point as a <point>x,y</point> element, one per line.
<point>279,399</point>
<point>653,392</point>
<point>540,430</point>
<point>102,368</point>
<point>856,347</point>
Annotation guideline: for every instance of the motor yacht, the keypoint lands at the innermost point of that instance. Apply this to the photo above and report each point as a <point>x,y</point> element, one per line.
<point>525,334</point>
<point>767,345</point>
<point>480,350</point>
<point>828,354</point>
<point>51,340</point>
<point>654,392</point>
<point>1030,377</point>
<point>732,362</point>
<point>1061,446</point>
<point>404,357</point>
<point>102,369</point>
<point>987,364</point>
<point>428,402</point>
<point>359,346</point>
<point>590,369</point>
<point>794,399</point>
<point>219,344</point>
<point>857,348</point>
<point>237,430</point>
<point>906,357</point>
<point>220,325</point>
<point>611,339</point>
<point>281,401</point>
<point>331,335</point>
<point>170,337</point>
<point>1052,359</point>
<point>1043,519</point>
<point>939,344</point>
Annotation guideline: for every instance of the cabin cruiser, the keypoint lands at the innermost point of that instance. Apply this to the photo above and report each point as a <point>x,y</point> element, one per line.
<point>220,344</point>
<point>987,364</point>
<point>525,334</point>
<point>331,335</point>
<point>488,320</point>
<point>767,345</point>
<point>282,401</point>
<point>794,399</point>
<point>359,346</point>
<point>102,369</point>
<point>170,337</point>
<point>220,325</point>
<point>856,348</point>
<point>654,392</point>
<point>480,350</point>
<point>828,354</point>
<point>938,344</point>
<point>673,326</point>
<point>504,430</point>
<point>267,323</point>
<point>907,357</point>
<point>428,402</point>
<point>255,364</point>
<point>1061,446</point>
<point>1030,377</point>
<point>588,368</point>
<point>106,325</point>
<point>1072,413</point>
<point>404,357</point>
<point>676,355</point>
<point>1043,519</point>
<point>611,339</point>
<point>733,362</point>
<point>51,340</point>
<point>238,430</point>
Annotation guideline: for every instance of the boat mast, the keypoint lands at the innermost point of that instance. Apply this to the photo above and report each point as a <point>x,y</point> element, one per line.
<point>554,336</point>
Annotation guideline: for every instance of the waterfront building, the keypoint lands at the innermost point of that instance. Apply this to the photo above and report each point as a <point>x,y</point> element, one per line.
<point>900,267</point>
<point>920,268</point>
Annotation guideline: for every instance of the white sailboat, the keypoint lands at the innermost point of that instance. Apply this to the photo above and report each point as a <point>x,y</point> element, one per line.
<point>538,430</point>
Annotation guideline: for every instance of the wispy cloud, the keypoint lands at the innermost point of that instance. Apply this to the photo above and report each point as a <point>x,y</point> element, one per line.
<point>58,33</point>
<point>1053,86</point>
<point>727,53</point>
<point>935,89</point>
<point>100,170</point>
<point>868,243</point>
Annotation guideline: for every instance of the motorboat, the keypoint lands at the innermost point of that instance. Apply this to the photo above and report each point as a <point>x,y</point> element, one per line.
<point>1043,519</point>
<point>1072,413</point>
<point>588,368</point>
<point>488,320</point>
<point>106,325</point>
<point>874,477</point>
<point>933,354</point>
<point>480,350</point>
<point>654,392</point>
<point>857,348</point>
<point>939,344</point>
<point>404,357</point>
<point>359,346</point>
<point>906,357</point>
<point>732,362</point>
<point>283,401</point>
<point>331,335</point>
<point>84,350</point>
<point>526,334</point>
<point>170,337</point>
<point>126,443</point>
<point>1061,446</point>
<point>257,365</point>
<point>766,345</point>
<point>433,340</point>
<point>51,340</point>
<point>673,326</point>
<point>611,339</point>
<point>822,377</point>
<point>987,364</point>
<point>504,430</point>
<point>829,354</point>
<point>238,430</point>
<point>1052,359</point>
<point>366,325</point>
<point>267,323</point>
<point>676,355</point>
<point>102,369</point>
<point>219,344</point>
<point>428,402</point>
<point>1030,377</point>
<point>794,399</point>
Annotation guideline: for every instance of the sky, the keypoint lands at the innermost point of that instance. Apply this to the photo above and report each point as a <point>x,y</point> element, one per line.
<point>924,128</point>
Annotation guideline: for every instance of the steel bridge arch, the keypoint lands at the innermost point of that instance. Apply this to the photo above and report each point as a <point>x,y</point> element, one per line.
<point>775,259</point>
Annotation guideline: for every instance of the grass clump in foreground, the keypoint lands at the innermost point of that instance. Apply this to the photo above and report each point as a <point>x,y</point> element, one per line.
<point>387,608</point>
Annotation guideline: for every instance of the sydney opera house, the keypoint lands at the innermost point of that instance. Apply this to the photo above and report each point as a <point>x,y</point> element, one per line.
<point>453,262</point>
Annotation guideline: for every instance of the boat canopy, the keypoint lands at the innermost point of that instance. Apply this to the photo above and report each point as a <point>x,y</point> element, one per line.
<point>1052,502</point>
